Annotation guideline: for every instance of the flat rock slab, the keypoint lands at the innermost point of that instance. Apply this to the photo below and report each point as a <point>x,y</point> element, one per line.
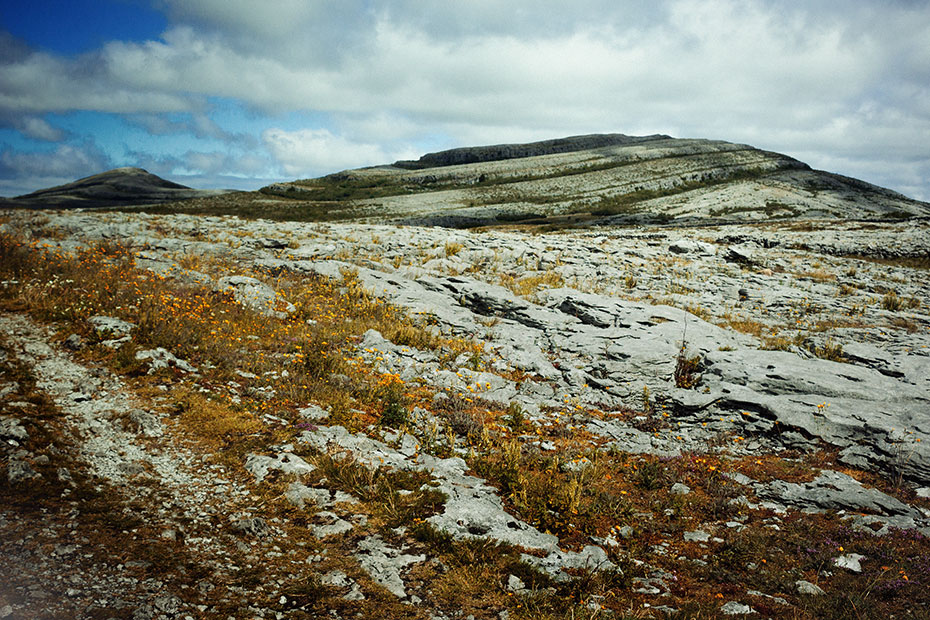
<point>256,295</point>
<point>836,491</point>
<point>162,358</point>
<point>385,563</point>
<point>260,465</point>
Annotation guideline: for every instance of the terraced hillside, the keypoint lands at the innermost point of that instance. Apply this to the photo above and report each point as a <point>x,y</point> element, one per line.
<point>598,179</point>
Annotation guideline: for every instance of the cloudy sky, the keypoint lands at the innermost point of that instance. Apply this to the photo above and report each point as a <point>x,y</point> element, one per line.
<point>238,93</point>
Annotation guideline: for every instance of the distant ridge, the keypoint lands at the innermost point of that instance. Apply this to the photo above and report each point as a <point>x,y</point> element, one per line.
<point>500,152</point>
<point>120,186</point>
<point>589,180</point>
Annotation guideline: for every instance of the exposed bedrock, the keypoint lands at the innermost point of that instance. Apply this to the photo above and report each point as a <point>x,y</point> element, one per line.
<point>603,349</point>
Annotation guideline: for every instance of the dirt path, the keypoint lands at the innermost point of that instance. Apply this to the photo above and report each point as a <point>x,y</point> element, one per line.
<point>105,513</point>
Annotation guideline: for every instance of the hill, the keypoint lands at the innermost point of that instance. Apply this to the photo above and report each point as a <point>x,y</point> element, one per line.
<point>595,179</point>
<point>120,186</point>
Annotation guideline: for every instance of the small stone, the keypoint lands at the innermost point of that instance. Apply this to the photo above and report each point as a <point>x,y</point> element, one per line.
<point>20,471</point>
<point>6,611</point>
<point>162,358</point>
<point>254,526</point>
<point>313,412</point>
<point>697,536</point>
<point>111,325</point>
<point>850,561</point>
<point>11,428</point>
<point>146,423</point>
<point>806,587</point>
<point>260,465</point>
<point>515,584</point>
<point>734,609</point>
<point>336,578</point>
<point>680,489</point>
<point>168,604</point>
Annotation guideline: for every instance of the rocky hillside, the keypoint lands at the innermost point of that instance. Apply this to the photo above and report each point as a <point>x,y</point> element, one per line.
<point>215,417</point>
<point>591,180</point>
<point>500,152</point>
<point>117,187</point>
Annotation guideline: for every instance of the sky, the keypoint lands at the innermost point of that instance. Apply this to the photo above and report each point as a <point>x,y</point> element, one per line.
<point>241,93</point>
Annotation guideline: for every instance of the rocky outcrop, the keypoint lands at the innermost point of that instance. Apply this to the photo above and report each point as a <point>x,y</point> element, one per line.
<point>256,295</point>
<point>596,180</point>
<point>500,152</point>
<point>870,402</point>
<point>794,356</point>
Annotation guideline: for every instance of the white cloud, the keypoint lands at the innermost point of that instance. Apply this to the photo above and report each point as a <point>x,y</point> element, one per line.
<point>309,152</point>
<point>218,163</point>
<point>197,124</point>
<point>40,129</point>
<point>64,161</point>
<point>45,169</point>
<point>205,164</point>
<point>40,83</point>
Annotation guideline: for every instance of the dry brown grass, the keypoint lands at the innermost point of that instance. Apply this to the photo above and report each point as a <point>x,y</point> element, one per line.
<point>471,590</point>
<point>744,325</point>
<point>906,324</point>
<point>699,311</point>
<point>892,302</point>
<point>775,342</point>
<point>527,286</point>
<point>215,422</point>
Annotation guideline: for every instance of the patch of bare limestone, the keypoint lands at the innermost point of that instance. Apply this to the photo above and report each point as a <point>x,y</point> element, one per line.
<point>576,321</point>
